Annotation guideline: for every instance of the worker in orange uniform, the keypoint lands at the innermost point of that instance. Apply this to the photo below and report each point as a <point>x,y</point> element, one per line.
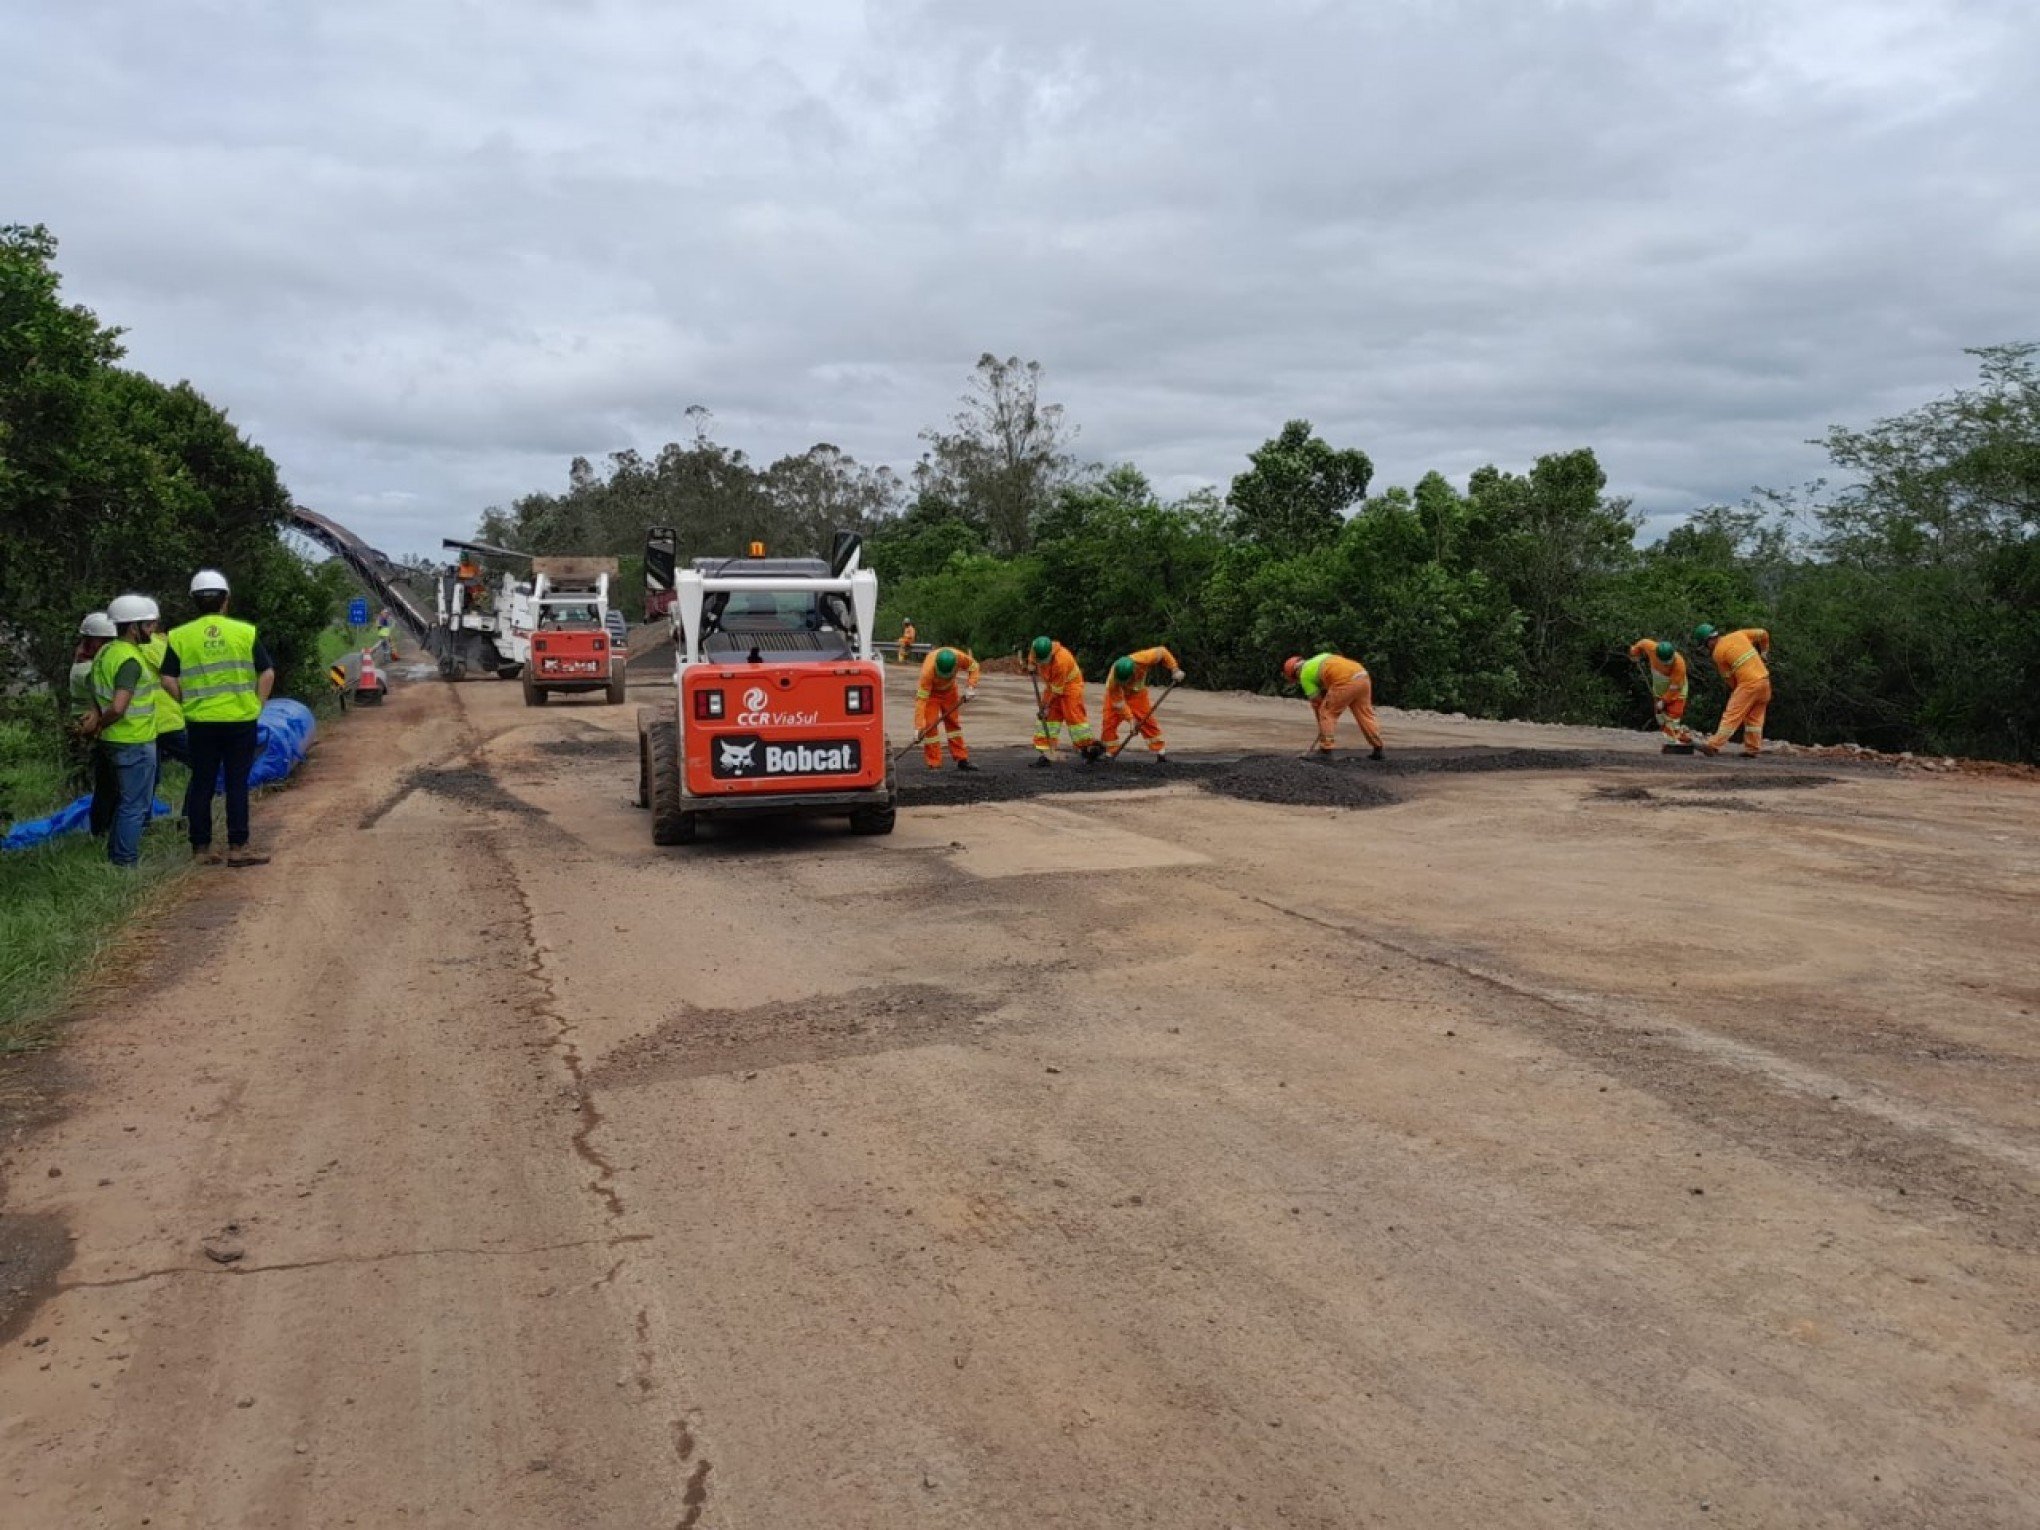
<point>1059,687</point>
<point>1126,696</point>
<point>1332,684</point>
<point>907,640</point>
<point>937,702</point>
<point>1667,690</point>
<point>1740,657</point>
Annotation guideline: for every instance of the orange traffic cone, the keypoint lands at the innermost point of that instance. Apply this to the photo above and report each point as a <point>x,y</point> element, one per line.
<point>368,685</point>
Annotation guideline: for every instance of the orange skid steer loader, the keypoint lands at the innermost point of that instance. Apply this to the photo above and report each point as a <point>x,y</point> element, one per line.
<point>778,702</point>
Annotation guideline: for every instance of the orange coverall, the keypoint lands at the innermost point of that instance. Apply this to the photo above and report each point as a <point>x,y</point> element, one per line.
<point>906,642</point>
<point>1131,700</point>
<point>1740,658</point>
<point>1062,700</point>
<point>936,700</point>
<point>1668,689</point>
<point>1336,684</point>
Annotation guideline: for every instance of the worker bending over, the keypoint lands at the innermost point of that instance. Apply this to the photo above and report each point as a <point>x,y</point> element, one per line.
<point>1126,696</point>
<point>937,701</point>
<point>1740,657</point>
<point>1332,684</point>
<point>1667,690</point>
<point>1059,688</point>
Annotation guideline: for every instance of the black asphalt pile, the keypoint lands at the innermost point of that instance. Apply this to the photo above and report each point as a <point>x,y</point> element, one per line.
<point>595,744</point>
<point>1291,782</point>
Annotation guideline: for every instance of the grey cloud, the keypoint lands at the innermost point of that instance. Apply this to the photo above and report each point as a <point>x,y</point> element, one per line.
<point>426,252</point>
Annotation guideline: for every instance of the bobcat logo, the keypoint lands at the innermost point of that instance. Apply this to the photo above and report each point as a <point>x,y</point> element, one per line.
<point>737,758</point>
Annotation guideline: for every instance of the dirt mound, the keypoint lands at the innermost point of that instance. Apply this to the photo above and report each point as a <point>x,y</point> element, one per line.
<point>1302,783</point>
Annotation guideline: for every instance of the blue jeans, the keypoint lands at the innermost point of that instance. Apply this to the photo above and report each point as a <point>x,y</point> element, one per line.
<point>134,774</point>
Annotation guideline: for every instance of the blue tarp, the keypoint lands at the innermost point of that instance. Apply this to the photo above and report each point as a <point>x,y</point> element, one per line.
<point>283,734</point>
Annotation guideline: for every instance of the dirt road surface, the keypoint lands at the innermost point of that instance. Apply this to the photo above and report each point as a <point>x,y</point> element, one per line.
<point>1600,1140</point>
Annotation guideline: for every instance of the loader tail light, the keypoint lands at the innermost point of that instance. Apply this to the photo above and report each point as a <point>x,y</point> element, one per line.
<point>708,705</point>
<point>857,700</point>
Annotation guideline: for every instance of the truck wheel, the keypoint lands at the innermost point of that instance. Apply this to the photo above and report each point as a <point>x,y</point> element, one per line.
<point>507,674</point>
<point>873,820</point>
<point>616,689</point>
<point>672,824</point>
<point>533,695</point>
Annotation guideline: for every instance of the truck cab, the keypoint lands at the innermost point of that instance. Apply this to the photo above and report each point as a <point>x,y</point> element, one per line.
<point>778,699</point>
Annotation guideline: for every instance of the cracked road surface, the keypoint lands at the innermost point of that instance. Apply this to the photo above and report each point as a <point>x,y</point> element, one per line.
<point>1550,1146</point>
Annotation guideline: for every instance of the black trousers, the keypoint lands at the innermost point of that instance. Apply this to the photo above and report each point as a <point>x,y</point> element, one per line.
<point>216,746</point>
<point>105,790</point>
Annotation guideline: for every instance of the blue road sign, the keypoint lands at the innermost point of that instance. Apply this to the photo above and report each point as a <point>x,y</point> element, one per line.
<point>357,613</point>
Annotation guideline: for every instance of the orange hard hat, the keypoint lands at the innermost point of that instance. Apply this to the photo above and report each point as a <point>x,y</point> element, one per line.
<point>1290,666</point>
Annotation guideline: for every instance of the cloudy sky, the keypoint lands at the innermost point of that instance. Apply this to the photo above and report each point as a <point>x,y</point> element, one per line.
<point>425,251</point>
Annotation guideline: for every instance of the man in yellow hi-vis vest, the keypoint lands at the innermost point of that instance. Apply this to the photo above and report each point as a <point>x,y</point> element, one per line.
<point>123,718</point>
<point>221,674</point>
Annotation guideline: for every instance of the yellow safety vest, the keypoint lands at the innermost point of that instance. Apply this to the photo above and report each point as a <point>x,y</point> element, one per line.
<point>216,669</point>
<point>137,725</point>
<point>169,716</point>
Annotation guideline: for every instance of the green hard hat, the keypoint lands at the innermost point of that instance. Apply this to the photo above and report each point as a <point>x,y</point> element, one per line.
<point>1043,647</point>
<point>1702,633</point>
<point>1666,650</point>
<point>1122,670</point>
<point>945,661</point>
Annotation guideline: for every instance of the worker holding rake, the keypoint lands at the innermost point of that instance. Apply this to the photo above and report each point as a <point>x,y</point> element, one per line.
<point>1668,687</point>
<point>1126,698</point>
<point>1332,684</point>
<point>1059,701</point>
<point>938,699</point>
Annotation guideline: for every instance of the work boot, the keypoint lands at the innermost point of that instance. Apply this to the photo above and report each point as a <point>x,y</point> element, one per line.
<point>965,765</point>
<point>1710,749</point>
<point>1377,754</point>
<point>245,855</point>
<point>1042,762</point>
<point>1320,756</point>
<point>1161,759</point>
<point>205,855</point>
<point>1092,751</point>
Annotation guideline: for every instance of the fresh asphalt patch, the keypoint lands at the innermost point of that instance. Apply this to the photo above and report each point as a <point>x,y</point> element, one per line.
<point>1348,780</point>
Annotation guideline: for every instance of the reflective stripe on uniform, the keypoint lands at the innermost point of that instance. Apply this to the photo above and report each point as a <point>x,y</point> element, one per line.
<point>137,725</point>
<point>216,659</point>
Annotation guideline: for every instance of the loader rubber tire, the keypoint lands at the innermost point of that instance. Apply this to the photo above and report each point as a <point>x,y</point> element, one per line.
<point>874,820</point>
<point>617,685</point>
<point>644,765</point>
<point>533,695</point>
<point>672,824</point>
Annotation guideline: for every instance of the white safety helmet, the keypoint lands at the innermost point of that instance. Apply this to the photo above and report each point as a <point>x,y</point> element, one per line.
<point>98,625</point>
<point>208,579</point>
<point>123,609</point>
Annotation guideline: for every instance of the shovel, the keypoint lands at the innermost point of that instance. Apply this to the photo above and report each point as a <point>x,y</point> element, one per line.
<point>1133,723</point>
<point>948,715</point>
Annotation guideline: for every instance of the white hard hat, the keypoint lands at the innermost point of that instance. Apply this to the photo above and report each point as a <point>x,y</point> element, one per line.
<point>131,608</point>
<point>208,579</point>
<point>98,624</point>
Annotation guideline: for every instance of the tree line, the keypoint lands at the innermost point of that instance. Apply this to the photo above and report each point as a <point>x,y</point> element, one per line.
<point>1904,603</point>
<point>111,481</point>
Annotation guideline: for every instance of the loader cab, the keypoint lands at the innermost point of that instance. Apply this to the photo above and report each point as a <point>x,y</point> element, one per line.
<point>786,612</point>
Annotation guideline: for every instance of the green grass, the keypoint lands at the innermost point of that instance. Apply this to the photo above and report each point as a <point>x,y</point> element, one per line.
<point>62,904</point>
